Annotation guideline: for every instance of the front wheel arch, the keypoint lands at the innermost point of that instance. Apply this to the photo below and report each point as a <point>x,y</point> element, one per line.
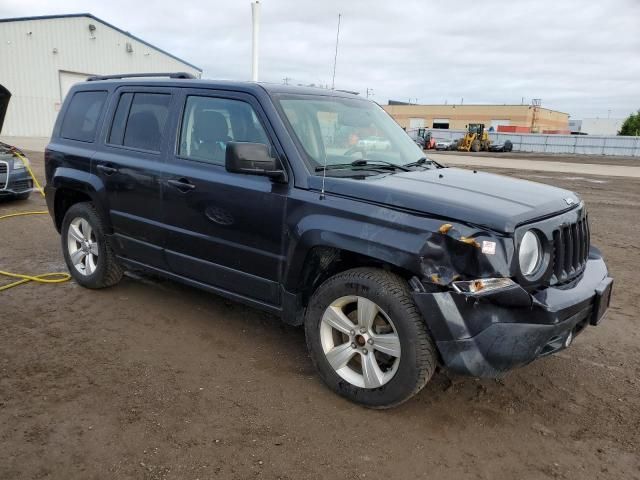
<point>322,262</point>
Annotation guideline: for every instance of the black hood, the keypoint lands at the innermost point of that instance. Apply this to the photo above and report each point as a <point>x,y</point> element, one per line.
<point>5,95</point>
<point>497,202</point>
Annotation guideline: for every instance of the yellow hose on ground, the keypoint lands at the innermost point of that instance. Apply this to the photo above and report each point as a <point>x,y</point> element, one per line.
<point>42,278</point>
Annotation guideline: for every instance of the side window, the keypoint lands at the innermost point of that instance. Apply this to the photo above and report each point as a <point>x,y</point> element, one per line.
<point>139,120</point>
<point>210,123</point>
<point>81,118</point>
<point>120,119</point>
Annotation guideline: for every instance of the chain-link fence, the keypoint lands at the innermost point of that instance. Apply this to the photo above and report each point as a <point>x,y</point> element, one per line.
<point>531,142</point>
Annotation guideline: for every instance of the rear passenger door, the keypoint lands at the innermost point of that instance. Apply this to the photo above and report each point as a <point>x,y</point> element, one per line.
<point>223,229</point>
<point>131,165</point>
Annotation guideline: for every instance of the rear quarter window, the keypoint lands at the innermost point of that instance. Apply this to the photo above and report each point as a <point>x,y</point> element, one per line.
<point>83,115</point>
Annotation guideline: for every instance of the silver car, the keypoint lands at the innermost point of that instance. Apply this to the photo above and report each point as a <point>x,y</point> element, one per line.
<point>442,144</point>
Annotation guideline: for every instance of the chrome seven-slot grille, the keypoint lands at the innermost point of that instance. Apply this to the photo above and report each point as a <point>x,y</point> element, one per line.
<point>571,250</point>
<point>4,170</point>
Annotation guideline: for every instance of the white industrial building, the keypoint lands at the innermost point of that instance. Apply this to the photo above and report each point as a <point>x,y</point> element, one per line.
<point>596,126</point>
<point>41,57</point>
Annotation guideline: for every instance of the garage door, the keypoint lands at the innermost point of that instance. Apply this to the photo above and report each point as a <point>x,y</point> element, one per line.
<point>416,123</point>
<point>67,79</point>
<point>441,123</point>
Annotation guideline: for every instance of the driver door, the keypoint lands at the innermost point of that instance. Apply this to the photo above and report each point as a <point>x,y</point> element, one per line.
<point>223,229</point>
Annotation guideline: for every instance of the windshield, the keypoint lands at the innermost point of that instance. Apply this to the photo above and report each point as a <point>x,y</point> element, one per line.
<point>345,131</point>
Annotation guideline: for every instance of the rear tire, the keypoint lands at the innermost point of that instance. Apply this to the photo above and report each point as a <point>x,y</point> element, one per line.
<point>395,338</point>
<point>87,250</point>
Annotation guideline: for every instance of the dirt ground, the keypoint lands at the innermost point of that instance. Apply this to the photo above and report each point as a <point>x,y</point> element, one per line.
<point>154,380</point>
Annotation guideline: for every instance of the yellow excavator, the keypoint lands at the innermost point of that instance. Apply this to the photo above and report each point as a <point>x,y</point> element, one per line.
<point>475,140</point>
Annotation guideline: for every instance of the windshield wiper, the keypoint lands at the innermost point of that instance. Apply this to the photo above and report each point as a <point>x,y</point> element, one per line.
<point>332,166</point>
<point>363,163</point>
<point>378,163</point>
<point>422,161</point>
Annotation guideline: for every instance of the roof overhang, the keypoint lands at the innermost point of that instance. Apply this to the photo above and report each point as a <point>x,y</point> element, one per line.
<point>93,17</point>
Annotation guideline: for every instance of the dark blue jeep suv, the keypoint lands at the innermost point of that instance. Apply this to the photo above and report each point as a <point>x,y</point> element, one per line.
<point>316,206</point>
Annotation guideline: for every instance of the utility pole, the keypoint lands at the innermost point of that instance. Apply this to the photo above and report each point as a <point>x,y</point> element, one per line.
<point>369,92</point>
<point>535,103</point>
<point>335,57</point>
<point>255,17</point>
<point>285,80</point>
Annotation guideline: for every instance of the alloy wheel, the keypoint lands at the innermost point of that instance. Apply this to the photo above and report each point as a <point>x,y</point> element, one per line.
<point>360,341</point>
<point>83,246</point>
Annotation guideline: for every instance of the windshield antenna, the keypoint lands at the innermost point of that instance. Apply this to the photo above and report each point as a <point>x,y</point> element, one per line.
<point>324,175</point>
<point>333,86</point>
<point>335,57</point>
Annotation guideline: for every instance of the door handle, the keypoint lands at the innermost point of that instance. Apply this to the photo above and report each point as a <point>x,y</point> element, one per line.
<point>107,170</point>
<point>182,184</point>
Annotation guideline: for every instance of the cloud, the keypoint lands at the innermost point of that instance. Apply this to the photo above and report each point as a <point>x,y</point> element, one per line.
<point>579,57</point>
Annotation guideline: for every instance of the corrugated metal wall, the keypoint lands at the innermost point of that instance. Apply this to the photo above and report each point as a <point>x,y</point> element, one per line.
<point>33,52</point>
<point>575,144</point>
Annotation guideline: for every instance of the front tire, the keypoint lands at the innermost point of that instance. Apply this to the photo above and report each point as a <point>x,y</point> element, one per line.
<point>87,250</point>
<point>367,339</point>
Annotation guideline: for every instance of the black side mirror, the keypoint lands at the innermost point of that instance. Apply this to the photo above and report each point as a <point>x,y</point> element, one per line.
<point>252,159</point>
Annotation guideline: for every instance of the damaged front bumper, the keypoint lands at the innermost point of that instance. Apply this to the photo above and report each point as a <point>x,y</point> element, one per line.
<point>486,335</point>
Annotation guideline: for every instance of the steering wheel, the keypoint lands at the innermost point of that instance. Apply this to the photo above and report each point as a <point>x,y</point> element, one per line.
<point>356,149</point>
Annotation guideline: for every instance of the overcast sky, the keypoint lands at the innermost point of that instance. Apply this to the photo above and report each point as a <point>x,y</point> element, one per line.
<point>578,56</point>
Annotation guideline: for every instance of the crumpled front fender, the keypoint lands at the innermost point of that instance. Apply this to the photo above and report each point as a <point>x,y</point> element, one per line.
<point>459,252</point>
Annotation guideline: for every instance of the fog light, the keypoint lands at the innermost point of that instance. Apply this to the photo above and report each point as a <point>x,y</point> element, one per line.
<point>482,285</point>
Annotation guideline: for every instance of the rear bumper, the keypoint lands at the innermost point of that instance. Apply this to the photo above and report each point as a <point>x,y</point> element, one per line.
<point>485,336</point>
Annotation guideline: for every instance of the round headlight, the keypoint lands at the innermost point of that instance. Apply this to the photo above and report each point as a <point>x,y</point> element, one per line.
<point>530,254</point>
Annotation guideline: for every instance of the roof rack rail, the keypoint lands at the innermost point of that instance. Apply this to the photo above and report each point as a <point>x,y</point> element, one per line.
<point>141,75</point>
